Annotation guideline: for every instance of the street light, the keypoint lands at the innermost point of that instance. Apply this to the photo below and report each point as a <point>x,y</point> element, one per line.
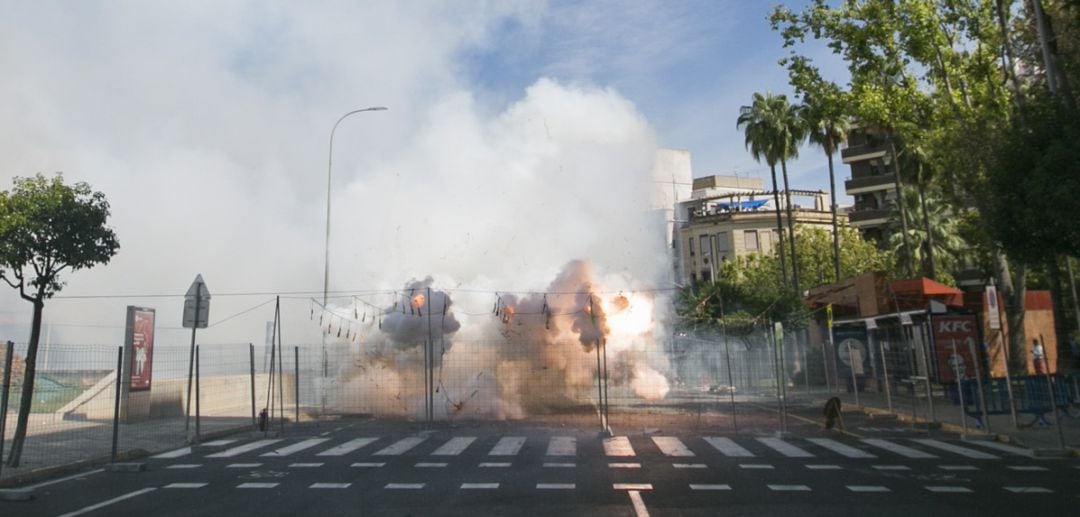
<point>329,170</point>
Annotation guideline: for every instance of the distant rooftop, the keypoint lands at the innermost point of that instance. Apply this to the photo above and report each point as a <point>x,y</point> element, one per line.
<point>735,182</point>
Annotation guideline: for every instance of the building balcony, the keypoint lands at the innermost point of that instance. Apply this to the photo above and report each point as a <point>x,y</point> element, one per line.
<point>869,184</point>
<point>861,218</point>
<point>858,153</point>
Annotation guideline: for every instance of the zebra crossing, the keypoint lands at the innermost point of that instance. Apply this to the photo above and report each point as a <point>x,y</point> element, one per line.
<point>616,447</point>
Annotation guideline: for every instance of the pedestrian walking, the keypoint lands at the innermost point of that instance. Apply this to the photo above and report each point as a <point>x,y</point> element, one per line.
<point>1038,357</point>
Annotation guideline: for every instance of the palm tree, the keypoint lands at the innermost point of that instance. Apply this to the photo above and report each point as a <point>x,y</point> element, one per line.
<point>789,130</point>
<point>757,120</point>
<point>827,127</point>
<point>934,232</point>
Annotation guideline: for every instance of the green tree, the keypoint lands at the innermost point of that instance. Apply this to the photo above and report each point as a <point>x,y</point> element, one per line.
<point>857,256</point>
<point>934,232</point>
<point>47,227</point>
<point>827,126</point>
<point>773,132</point>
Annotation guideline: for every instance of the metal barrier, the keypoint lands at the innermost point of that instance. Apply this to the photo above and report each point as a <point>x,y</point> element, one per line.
<point>1031,396</point>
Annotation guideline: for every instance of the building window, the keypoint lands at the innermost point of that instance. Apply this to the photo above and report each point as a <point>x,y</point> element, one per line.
<point>722,244</point>
<point>751,241</point>
<point>706,250</point>
<point>690,244</point>
<point>766,241</point>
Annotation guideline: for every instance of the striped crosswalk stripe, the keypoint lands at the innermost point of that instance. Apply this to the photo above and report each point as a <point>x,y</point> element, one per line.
<point>562,446</point>
<point>455,446</point>
<point>671,446</point>
<point>1019,451</point>
<point>401,446</point>
<point>618,446</point>
<point>963,451</point>
<point>896,448</point>
<point>347,447</point>
<point>507,446</point>
<point>840,448</point>
<point>296,447</point>
<point>728,447</point>
<point>236,451</point>
<point>184,451</point>
<point>785,448</point>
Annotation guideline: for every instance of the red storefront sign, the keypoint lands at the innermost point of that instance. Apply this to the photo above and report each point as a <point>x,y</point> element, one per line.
<point>140,336</point>
<point>961,332</point>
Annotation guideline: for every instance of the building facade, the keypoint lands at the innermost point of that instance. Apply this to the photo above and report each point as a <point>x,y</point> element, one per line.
<point>872,182</point>
<point>730,217</point>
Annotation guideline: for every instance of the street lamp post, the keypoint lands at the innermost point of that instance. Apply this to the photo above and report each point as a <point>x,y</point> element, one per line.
<point>329,170</point>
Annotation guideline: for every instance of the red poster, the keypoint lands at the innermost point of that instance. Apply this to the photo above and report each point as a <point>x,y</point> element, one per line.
<point>142,347</point>
<point>961,331</point>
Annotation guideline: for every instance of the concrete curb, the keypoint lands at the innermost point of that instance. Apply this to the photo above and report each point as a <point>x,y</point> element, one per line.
<point>16,494</point>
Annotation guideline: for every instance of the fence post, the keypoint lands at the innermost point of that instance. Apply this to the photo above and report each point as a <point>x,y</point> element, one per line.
<point>251,352</point>
<point>885,375</point>
<point>929,387</point>
<point>198,414</point>
<point>296,381</point>
<point>1053,407</point>
<point>854,380</point>
<point>116,403</point>
<point>959,388</point>
<point>8,359</point>
<point>978,379</point>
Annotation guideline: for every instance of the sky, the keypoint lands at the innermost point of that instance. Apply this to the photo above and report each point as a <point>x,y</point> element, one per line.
<point>519,136</point>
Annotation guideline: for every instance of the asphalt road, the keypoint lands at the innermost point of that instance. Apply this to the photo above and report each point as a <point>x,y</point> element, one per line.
<point>365,467</point>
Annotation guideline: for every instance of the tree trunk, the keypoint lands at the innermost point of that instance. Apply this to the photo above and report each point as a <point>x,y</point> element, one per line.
<point>931,263</point>
<point>1013,290</point>
<point>1057,299</point>
<point>791,230</point>
<point>27,397</point>
<point>779,226</point>
<point>1075,300</point>
<point>835,227</point>
<point>909,258</point>
<point>1056,79</point>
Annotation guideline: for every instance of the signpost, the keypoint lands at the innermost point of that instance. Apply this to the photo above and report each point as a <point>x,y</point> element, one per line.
<point>196,315</point>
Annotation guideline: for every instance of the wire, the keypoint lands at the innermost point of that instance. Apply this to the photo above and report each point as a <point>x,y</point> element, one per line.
<point>241,313</point>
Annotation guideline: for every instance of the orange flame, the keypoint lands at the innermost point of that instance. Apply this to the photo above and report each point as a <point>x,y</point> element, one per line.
<point>418,301</point>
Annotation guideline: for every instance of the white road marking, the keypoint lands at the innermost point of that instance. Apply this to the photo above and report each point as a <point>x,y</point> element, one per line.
<point>956,449</point>
<point>479,486</point>
<point>949,489</point>
<point>842,449</point>
<point>562,446</point>
<point>494,465</point>
<point>824,467</point>
<point>367,465</point>
<point>632,486</point>
<point>305,465</point>
<point>218,443</point>
<point>330,485</point>
<point>755,466</point>
<point>248,447</point>
<point>185,485</point>
<point>958,467</point>
<point>296,447</point>
<point>555,486</point>
<point>891,467</point>
<point>898,449</point>
<point>1029,490</point>
<point>455,446</point>
<point>1019,451</point>
<point>688,465</point>
<point>404,486</point>
<point>618,446</point>
<point>257,485</point>
<point>672,446</point>
<point>624,465</point>
<point>507,446</point>
<point>785,448</point>
<point>347,447</point>
<point>710,487</point>
<point>560,465</point>
<point>400,447</point>
<point>728,447</point>
<point>789,488</point>
<point>867,488</point>
<point>103,504</point>
<point>183,451</point>
<point>639,503</point>
<point>243,465</point>
<point>1028,468</point>
<point>61,480</point>
<point>184,466</point>
<point>431,465</point>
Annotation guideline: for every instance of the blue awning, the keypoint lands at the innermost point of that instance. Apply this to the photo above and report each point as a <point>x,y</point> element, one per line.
<point>746,205</point>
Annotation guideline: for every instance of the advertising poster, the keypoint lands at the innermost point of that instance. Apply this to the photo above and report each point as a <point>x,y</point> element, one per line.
<point>140,337</point>
<point>852,352</point>
<point>961,329</point>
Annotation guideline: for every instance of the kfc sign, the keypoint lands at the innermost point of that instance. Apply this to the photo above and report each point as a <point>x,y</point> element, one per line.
<point>959,332</point>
